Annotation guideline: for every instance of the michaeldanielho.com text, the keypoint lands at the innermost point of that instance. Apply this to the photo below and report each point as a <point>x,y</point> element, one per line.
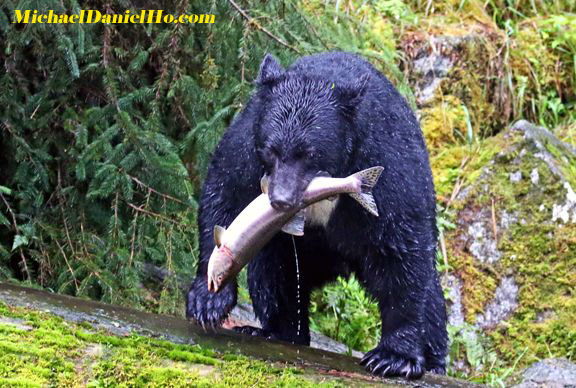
<point>95,16</point>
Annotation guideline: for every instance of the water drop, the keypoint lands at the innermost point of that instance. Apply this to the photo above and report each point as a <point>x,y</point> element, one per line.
<point>297,287</point>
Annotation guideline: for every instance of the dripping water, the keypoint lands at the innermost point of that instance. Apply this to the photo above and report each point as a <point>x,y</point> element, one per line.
<point>297,287</point>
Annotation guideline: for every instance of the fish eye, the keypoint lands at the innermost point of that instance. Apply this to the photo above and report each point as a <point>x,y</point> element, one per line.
<point>219,278</point>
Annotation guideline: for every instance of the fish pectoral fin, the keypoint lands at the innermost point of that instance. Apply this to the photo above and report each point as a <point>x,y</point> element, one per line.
<point>295,226</point>
<point>218,233</point>
<point>367,201</point>
<point>264,184</point>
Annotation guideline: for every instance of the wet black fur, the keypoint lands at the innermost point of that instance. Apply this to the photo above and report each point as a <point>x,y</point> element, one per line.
<point>332,112</point>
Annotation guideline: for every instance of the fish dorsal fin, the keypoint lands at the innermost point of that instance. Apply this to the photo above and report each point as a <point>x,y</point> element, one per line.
<point>295,226</point>
<point>218,234</point>
<point>264,184</point>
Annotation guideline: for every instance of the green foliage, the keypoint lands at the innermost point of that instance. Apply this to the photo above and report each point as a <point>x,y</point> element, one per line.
<point>108,131</point>
<point>98,185</point>
<point>468,343</point>
<point>345,312</point>
<point>443,223</point>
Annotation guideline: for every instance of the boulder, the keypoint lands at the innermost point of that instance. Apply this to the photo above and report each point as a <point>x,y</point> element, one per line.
<point>549,373</point>
<point>511,254</point>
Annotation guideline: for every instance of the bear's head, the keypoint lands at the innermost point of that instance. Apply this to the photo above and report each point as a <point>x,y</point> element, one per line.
<point>305,129</point>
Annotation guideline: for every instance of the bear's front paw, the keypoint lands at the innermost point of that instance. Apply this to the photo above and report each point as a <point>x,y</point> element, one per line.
<point>208,308</point>
<point>385,362</point>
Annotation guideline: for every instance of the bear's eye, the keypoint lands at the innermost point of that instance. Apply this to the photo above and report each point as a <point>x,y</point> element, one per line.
<point>268,156</point>
<point>304,154</point>
<point>308,154</point>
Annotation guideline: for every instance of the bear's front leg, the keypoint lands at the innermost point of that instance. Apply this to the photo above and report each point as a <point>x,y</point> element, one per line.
<point>401,298</point>
<point>208,308</point>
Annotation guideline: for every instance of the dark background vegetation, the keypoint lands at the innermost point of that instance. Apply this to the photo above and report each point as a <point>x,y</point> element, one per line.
<point>107,130</point>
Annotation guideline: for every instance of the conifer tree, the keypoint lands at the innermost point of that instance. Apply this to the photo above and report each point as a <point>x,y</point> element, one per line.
<point>107,131</point>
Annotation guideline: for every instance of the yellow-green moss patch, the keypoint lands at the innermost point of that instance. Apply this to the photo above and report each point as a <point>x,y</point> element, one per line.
<point>57,353</point>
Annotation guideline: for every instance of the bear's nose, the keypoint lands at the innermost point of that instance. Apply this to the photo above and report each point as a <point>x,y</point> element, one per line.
<point>281,204</point>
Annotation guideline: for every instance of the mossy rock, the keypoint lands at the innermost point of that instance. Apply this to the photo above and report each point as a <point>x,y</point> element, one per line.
<point>453,71</point>
<point>470,77</point>
<point>513,248</point>
<point>54,340</point>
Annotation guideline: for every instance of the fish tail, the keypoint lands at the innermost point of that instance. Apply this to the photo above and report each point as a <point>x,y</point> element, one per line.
<point>368,179</point>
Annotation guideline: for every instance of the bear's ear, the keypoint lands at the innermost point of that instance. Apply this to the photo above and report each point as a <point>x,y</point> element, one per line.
<point>270,70</point>
<point>350,95</point>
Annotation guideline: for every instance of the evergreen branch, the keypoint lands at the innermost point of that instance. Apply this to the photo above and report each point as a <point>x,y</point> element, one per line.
<point>67,264</point>
<point>254,23</point>
<point>62,203</point>
<point>151,213</point>
<point>23,261</point>
<point>116,216</point>
<point>166,196</point>
<point>132,243</point>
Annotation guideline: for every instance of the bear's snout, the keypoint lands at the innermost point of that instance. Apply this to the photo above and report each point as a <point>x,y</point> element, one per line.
<point>282,204</point>
<point>287,184</point>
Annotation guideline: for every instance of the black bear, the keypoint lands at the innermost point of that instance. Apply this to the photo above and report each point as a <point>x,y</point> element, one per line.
<point>331,113</point>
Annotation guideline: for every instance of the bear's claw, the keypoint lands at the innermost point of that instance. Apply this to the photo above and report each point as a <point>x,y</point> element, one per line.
<point>381,362</point>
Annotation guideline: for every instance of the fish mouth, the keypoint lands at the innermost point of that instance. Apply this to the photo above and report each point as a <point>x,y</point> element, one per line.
<point>213,285</point>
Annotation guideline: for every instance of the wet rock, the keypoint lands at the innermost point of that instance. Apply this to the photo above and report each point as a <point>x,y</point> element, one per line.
<point>482,242</point>
<point>432,69</point>
<point>565,212</point>
<point>545,315</point>
<point>544,140</point>
<point>549,373</point>
<point>516,176</point>
<point>433,60</point>
<point>534,176</point>
<point>243,314</point>
<point>502,306</point>
<point>456,81</point>
<point>508,219</point>
<point>454,300</point>
<point>314,364</point>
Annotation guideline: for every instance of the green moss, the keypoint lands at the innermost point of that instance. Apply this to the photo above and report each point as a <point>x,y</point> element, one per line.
<point>469,94</point>
<point>479,283</point>
<point>545,270</point>
<point>460,166</point>
<point>53,352</point>
<point>181,355</point>
<point>441,122</point>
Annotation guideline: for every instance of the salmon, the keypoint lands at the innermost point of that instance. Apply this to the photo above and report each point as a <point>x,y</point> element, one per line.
<point>259,222</point>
